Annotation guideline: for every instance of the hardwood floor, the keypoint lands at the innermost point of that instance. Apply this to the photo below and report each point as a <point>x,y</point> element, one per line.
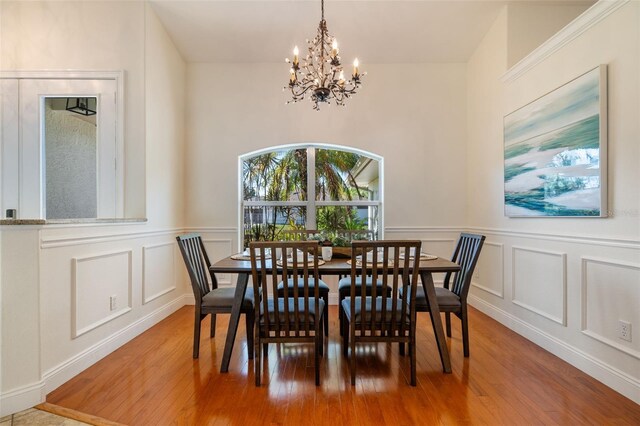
<point>153,380</point>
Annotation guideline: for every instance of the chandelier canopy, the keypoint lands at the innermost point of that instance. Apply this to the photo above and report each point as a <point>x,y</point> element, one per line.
<point>320,75</point>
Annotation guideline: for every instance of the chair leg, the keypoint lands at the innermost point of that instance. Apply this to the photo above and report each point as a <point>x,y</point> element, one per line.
<point>345,339</point>
<point>412,354</point>
<point>212,333</point>
<point>353,356</point>
<point>258,360</point>
<point>250,323</point>
<point>317,355</point>
<point>265,350</point>
<point>326,314</point>
<point>465,330</point>
<point>196,334</point>
<point>447,319</point>
<point>340,313</point>
<point>321,339</point>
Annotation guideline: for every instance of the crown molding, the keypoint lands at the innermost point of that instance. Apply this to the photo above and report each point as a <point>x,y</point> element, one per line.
<point>582,23</point>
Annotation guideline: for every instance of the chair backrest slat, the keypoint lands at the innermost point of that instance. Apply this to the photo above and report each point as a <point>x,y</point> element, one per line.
<point>197,262</point>
<point>466,254</point>
<point>386,310</point>
<point>288,316</point>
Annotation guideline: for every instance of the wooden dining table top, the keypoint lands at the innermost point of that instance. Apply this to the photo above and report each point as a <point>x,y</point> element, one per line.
<point>336,266</point>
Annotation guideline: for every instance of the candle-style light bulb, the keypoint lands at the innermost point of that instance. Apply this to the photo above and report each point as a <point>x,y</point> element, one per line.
<point>334,48</point>
<point>355,67</point>
<point>295,55</point>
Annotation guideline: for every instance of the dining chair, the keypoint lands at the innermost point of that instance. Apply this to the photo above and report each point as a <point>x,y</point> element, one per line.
<point>209,298</point>
<point>305,235</point>
<point>385,314</point>
<point>290,314</point>
<point>452,297</point>
<point>344,283</point>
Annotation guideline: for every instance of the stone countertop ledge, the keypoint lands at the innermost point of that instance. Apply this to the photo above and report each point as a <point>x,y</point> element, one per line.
<point>69,221</point>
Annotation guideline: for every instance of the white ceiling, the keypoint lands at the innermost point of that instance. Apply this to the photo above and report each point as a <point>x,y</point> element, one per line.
<point>394,31</point>
<point>375,31</point>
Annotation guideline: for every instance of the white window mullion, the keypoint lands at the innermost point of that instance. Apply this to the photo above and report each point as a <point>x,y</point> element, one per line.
<point>311,189</point>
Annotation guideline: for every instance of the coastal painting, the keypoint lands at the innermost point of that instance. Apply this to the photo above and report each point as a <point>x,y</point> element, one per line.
<point>555,152</point>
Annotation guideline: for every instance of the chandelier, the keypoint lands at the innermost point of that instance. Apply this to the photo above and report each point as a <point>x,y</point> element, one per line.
<point>320,76</point>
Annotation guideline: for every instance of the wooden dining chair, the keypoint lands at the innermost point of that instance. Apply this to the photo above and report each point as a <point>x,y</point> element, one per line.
<point>209,298</point>
<point>293,314</point>
<point>344,283</point>
<point>385,314</point>
<point>306,235</point>
<point>452,297</point>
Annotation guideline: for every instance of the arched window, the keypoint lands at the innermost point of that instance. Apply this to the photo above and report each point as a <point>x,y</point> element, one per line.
<point>321,187</point>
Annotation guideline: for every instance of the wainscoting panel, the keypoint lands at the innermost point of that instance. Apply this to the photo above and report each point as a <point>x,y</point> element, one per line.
<point>158,270</point>
<point>95,280</point>
<point>219,248</point>
<point>540,282</point>
<point>610,293</point>
<point>489,273</point>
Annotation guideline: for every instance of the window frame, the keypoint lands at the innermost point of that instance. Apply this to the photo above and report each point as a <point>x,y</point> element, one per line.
<point>311,203</point>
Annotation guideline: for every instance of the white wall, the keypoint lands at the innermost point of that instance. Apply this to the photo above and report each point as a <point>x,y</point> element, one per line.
<point>79,35</point>
<point>563,283</point>
<point>531,24</point>
<point>412,115</point>
<point>165,87</point>
<point>56,316</point>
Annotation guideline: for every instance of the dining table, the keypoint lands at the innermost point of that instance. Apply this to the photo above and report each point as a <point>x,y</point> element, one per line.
<point>340,267</point>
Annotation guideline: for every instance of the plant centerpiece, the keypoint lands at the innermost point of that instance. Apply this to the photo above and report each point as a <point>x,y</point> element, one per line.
<point>341,245</point>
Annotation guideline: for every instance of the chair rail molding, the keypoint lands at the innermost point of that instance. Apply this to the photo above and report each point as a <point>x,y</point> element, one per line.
<point>568,238</point>
<point>422,229</point>
<point>582,23</point>
<point>48,242</point>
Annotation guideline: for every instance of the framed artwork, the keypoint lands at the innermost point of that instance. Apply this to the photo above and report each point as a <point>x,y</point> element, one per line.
<point>555,151</point>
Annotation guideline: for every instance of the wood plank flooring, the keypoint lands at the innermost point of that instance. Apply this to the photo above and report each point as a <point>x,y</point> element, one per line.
<point>508,380</point>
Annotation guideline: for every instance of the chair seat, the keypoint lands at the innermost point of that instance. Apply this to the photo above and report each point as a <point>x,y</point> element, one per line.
<point>344,286</point>
<point>447,300</point>
<point>322,286</point>
<point>346,306</point>
<point>291,305</point>
<point>223,297</point>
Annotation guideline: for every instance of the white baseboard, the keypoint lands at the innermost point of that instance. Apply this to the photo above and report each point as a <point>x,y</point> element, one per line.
<point>62,373</point>
<point>617,380</point>
<point>22,398</point>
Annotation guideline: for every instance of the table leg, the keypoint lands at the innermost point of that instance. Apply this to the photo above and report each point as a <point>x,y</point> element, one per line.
<point>241,287</point>
<point>436,321</point>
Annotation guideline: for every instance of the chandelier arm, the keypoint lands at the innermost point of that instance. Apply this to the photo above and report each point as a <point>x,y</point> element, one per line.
<point>302,92</point>
<point>338,96</point>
